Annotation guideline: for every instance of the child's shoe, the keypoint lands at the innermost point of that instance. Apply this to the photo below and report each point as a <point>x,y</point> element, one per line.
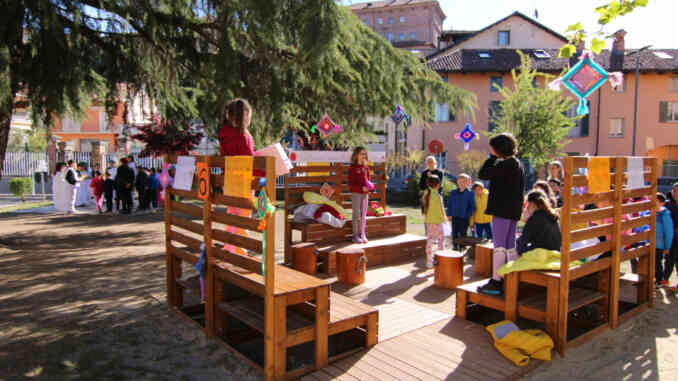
<point>665,283</point>
<point>493,287</point>
<point>364,239</point>
<point>357,239</point>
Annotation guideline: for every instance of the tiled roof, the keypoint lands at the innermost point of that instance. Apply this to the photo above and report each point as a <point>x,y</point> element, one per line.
<point>411,43</point>
<point>503,60</point>
<point>466,36</point>
<point>387,3</point>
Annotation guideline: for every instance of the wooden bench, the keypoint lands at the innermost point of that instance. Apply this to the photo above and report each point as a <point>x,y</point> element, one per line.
<point>561,295</point>
<point>283,306</point>
<point>389,241</point>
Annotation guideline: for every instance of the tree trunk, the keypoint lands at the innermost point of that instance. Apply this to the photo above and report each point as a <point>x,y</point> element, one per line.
<point>6,109</point>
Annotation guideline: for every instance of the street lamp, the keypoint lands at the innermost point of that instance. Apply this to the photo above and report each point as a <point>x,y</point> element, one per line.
<point>635,96</point>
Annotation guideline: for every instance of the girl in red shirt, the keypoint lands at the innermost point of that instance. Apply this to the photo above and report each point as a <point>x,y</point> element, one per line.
<point>236,140</point>
<point>97,186</point>
<point>359,184</point>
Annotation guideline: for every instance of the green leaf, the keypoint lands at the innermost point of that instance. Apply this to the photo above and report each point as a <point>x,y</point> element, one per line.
<point>574,27</point>
<point>567,51</point>
<point>597,45</point>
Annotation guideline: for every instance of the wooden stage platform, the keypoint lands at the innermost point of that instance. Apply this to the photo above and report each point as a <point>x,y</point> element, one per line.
<point>419,338</point>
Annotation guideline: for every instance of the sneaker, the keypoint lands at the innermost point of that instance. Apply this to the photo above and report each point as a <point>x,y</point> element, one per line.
<point>357,239</point>
<point>665,283</point>
<point>493,287</point>
<point>674,288</point>
<point>364,239</point>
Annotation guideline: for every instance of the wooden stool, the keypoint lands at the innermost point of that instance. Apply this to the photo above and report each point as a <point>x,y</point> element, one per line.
<point>304,257</point>
<point>483,260</point>
<point>448,269</point>
<point>351,266</point>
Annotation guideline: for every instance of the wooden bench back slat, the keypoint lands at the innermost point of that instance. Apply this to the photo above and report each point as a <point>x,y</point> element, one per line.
<point>635,238</point>
<point>588,233</point>
<point>247,263</point>
<point>637,207</point>
<point>636,223</point>
<point>588,251</point>
<point>187,224</point>
<point>588,198</point>
<point>190,242</point>
<point>189,209</point>
<point>236,221</point>
<point>246,243</point>
<point>238,202</point>
<point>592,215</point>
<point>640,192</point>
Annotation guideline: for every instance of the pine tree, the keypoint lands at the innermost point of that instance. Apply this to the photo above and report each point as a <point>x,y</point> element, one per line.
<point>293,60</point>
<point>536,116</point>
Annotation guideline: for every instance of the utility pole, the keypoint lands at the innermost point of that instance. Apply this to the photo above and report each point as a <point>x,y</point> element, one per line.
<point>635,98</point>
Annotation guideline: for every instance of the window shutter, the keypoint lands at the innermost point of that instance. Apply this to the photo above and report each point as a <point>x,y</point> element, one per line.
<point>584,123</point>
<point>663,112</point>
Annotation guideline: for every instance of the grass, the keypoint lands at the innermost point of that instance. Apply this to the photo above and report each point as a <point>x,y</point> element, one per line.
<point>24,206</point>
<point>413,213</point>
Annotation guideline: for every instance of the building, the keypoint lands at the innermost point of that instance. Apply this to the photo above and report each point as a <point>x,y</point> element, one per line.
<point>413,25</point>
<point>478,60</point>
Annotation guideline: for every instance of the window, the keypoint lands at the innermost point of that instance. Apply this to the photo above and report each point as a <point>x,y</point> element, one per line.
<point>617,127</point>
<point>493,112</point>
<point>441,159</point>
<point>390,20</point>
<point>581,128</point>
<point>69,124</point>
<point>380,21</point>
<point>365,21</point>
<point>413,36</point>
<point>443,114</point>
<point>674,83</point>
<point>541,53</point>
<point>390,37</point>
<point>621,87</point>
<point>402,18</point>
<point>484,54</point>
<point>498,81</point>
<point>103,121</point>
<point>401,36</point>
<point>503,38</point>
<point>668,112</point>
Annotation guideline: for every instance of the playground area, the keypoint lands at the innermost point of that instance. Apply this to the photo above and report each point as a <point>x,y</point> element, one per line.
<point>86,296</point>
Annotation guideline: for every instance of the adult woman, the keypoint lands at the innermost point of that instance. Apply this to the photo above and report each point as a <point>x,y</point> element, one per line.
<point>431,170</point>
<point>236,140</point>
<point>59,188</point>
<point>555,171</point>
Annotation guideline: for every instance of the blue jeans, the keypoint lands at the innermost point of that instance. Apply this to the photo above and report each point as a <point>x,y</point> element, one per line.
<point>483,230</point>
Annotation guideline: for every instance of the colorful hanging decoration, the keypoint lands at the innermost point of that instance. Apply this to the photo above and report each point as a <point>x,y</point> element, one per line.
<point>265,210</point>
<point>238,176</point>
<point>399,115</point>
<point>466,135</point>
<point>326,126</point>
<point>164,175</point>
<point>200,267</point>
<point>435,147</point>
<point>584,78</point>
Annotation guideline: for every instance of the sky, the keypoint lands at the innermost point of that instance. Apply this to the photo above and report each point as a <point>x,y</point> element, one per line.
<point>653,25</point>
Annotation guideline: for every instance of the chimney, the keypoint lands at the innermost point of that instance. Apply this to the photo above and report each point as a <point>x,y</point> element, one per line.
<point>618,44</point>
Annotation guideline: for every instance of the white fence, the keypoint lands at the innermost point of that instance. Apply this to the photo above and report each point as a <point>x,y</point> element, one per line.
<point>19,164</point>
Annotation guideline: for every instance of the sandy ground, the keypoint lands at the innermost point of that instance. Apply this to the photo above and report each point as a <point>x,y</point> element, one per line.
<point>83,297</point>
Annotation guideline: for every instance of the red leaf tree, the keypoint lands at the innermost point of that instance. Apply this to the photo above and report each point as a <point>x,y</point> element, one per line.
<point>165,137</point>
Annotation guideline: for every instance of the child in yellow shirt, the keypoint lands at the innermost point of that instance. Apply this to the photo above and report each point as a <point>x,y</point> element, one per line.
<point>432,207</point>
<point>481,223</point>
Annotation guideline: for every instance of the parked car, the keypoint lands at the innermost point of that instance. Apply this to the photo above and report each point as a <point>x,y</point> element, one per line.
<point>665,184</point>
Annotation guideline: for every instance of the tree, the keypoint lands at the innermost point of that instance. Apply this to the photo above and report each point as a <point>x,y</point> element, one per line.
<point>471,161</point>
<point>294,60</point>
<point>36,140</point>
<point>536,116</point>
<point>161,137</point>
<point>606,13</point>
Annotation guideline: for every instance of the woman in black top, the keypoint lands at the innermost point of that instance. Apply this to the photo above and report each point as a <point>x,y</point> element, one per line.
<point>542,230</point>
<point>431,170</point>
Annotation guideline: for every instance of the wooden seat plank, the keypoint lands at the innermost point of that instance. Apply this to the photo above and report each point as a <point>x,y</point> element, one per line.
<point>251,312</point>
<point>286,281</point>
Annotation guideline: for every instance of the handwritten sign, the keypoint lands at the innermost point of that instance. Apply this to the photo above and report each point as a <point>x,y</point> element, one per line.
<point>184,174</point>
<point>238,176</point>
<point>203,180</point>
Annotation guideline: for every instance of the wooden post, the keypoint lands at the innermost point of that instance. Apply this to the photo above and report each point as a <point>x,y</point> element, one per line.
<point>564,283</point>
<point>210,283</point>
<point>511,296</point>
<point>552,308</point>
<point>619,166</point>
<point>287,226</point>
<point>280,337</point>
<point>269,279</point>
<point>653,228</point>
<point>322,317</point>
<point>169,257</point>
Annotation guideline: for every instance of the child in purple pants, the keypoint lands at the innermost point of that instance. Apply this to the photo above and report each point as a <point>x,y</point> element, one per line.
<point>505,203</point>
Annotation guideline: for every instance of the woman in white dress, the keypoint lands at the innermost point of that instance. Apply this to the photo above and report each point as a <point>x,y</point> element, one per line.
<point>58,187</point>
<point>85,192</point>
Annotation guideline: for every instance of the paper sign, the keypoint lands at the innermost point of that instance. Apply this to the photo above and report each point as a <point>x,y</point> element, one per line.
<point>184,173</point>
<point>203,180</point>
<point>238,176</point>
<point>599,174</point>
<point>283,165</point>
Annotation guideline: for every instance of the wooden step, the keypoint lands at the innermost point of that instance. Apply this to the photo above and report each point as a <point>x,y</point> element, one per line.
<point>578,297</point>
<point>192,283</point>
<point>250,311</point>
<point>632,278</point>
<point>496,302</point>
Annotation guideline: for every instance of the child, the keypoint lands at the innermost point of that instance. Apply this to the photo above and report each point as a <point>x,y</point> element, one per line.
<point>432,206</point>
<point>664,239</point>
<point>431,169</point>
<point>541,230</point>
<point>461,204</point>
<point>480,222</point>
<point>109,187</point>
<point>672,258</point>
<point>153,189</point>
<point>358,183</point>
<point>97,185</point>
<point>546,189</point>
<point>555,185</point>
<point>507,181</point>
<point>556,171</point>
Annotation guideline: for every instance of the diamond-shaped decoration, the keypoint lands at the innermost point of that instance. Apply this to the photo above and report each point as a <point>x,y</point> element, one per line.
<point>467,134</point>
<point>583,79</point>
